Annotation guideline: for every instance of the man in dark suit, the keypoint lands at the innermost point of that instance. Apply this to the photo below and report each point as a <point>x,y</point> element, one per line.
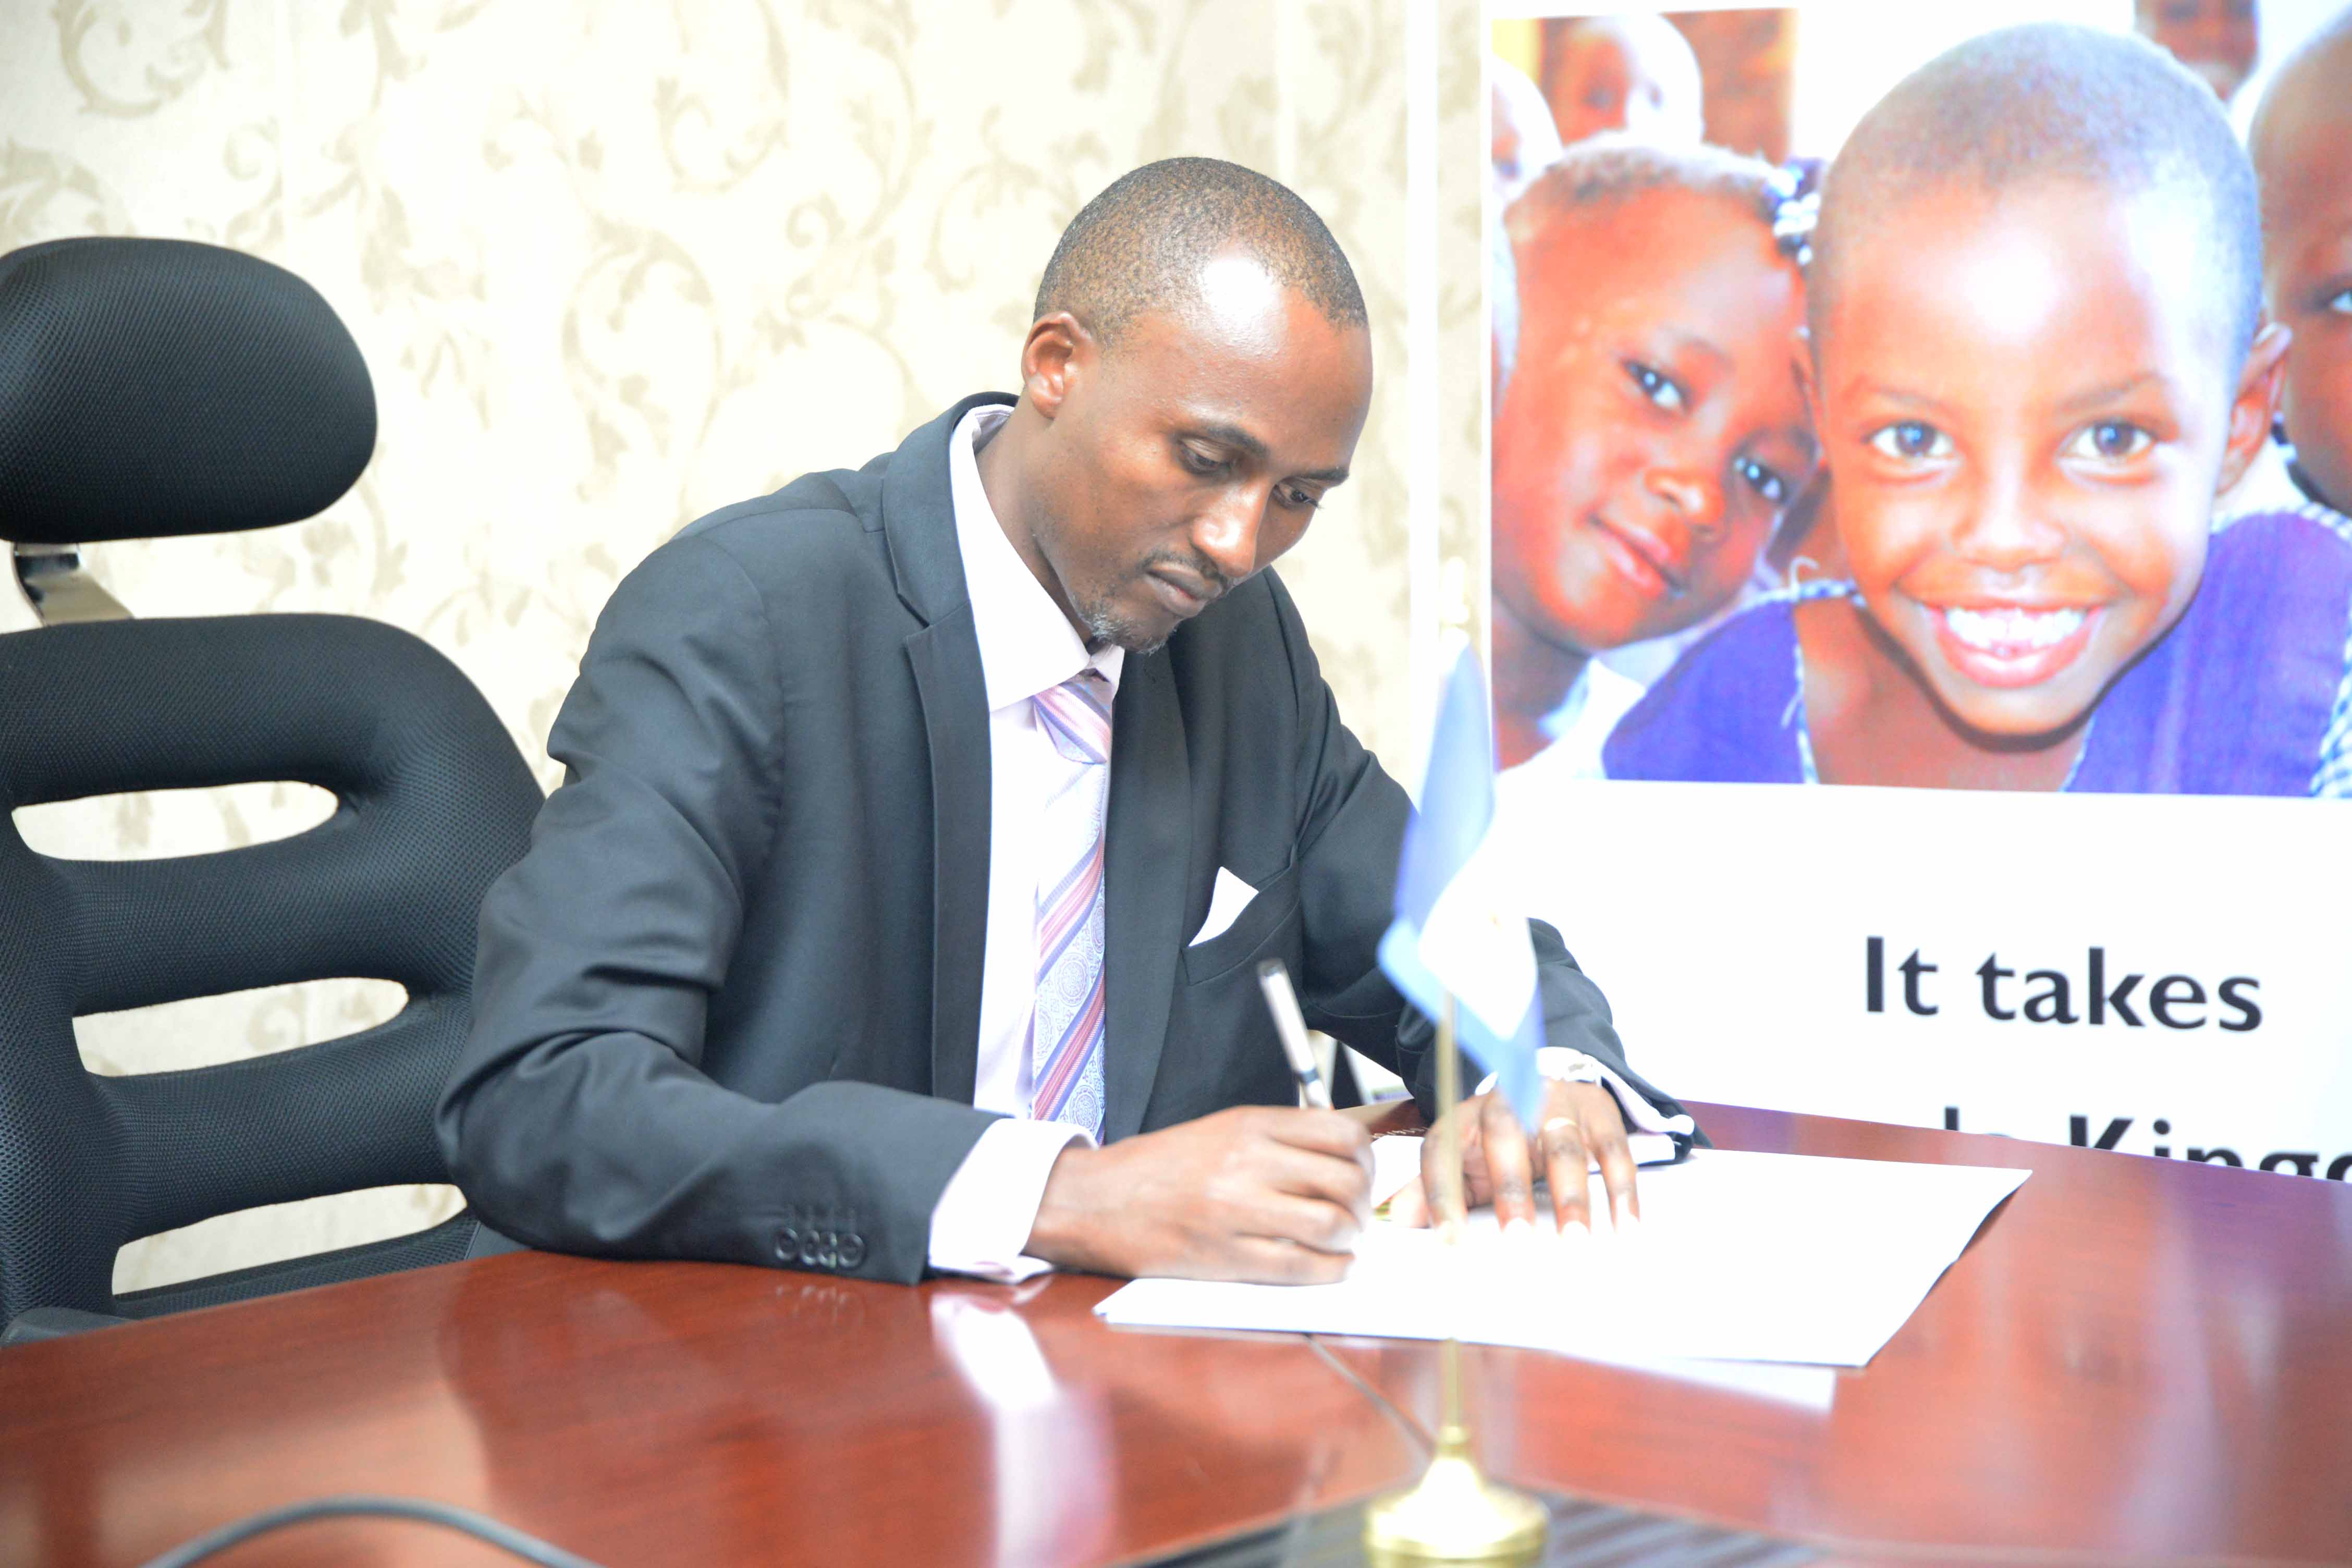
<point>845,944</point>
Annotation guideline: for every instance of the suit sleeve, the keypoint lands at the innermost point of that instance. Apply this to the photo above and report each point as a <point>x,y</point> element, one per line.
<point>1349,839</point>
<point>577,1117</point>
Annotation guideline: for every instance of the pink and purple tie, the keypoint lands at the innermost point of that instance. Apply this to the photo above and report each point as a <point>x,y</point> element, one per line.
<point>1065,1039</point>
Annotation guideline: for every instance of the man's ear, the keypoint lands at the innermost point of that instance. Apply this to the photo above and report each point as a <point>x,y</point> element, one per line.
<point>1056,355</point>
<point>2256,403</point>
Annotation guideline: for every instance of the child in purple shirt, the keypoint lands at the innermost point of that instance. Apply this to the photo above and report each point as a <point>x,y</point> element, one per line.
<point>2036,357</point>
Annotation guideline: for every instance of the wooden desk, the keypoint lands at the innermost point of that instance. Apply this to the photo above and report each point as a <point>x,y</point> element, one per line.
<point>2136,1361</point>
<point>656,1413</point>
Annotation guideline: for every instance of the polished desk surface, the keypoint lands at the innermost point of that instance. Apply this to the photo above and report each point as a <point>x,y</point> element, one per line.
<point>2134,1361</point>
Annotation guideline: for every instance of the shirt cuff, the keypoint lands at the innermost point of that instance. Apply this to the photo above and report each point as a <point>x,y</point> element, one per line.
<point>1575,1067</point>
<point>984,1218</point>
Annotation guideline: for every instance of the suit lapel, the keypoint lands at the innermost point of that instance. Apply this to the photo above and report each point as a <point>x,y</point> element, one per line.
<point>918,524</point>
<point>1148,847</point>
<point>945,657</point>
<point>1147,833</point>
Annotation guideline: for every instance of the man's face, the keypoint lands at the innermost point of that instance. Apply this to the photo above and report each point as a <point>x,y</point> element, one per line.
<point>1633,74</point>
<point>2307,168</point>
<point>2025,400</point>
<point>1653,427</point>
<point>2217,39</point>
<point>1194,451</point>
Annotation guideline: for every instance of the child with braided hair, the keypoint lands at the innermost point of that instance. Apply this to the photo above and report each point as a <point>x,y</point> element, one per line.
<point>2037,355</point>
<point>1649,427</point>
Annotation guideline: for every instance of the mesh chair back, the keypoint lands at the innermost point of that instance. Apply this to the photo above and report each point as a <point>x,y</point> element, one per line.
<point>153,387</point>
<point>160,386</point>
<point>432,802</point>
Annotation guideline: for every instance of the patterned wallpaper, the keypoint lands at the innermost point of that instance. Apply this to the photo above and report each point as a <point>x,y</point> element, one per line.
<point>616,262</point>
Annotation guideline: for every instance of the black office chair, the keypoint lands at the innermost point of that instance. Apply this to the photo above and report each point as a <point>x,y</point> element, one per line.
<point>159,387</point>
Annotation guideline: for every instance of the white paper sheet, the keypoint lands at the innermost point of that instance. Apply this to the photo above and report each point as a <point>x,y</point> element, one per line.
<point>1396,1160</point>
<point>1739,1257</point>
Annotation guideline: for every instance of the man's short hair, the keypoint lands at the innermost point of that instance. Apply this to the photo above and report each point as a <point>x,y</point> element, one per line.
<point>1140,246</point>
<point>2044,102</point>
<point>1600,173</point>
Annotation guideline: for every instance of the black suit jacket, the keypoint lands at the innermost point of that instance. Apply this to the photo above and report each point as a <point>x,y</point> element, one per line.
<point>728,1006</point>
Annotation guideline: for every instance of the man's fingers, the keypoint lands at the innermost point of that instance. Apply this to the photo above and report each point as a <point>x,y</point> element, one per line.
<point>1328,1178</point>
<point>1267,1261</point>
<point>1565,1167</point>
<point>1310,1222</point>
<point>1467,1133</point>
<point>1509,1168</point>
<point>1322,1132</point>
<point>1604,1135</point>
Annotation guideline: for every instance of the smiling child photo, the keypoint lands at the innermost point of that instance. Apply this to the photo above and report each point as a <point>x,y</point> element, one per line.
<point>1649,424</point>
<point>2037,353</point>
<point>1649,429</point>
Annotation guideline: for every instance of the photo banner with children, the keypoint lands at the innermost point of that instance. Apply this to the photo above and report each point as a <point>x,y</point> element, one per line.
<point>1922,604</point>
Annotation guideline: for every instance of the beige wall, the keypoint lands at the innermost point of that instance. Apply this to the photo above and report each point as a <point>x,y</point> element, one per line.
<point>615,263</point>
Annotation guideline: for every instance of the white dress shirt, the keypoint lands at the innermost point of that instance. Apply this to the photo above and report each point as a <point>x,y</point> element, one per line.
<point>1027,646</point>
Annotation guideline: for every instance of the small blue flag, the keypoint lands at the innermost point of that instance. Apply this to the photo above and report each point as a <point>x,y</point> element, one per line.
<point>1456,931</point>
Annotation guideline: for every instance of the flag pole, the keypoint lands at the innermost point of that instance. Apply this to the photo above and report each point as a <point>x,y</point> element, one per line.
<point>1453,1514</point>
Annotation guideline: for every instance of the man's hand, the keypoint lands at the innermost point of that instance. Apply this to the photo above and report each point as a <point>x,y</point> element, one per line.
<point>1580,1122</point>
<point>1271,1195</point>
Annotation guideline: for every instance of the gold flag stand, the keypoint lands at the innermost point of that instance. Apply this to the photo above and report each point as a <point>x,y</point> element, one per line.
<point>1453,1514</point>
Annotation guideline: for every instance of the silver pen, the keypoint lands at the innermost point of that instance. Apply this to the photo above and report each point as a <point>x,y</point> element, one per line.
<point>1290,1024</point>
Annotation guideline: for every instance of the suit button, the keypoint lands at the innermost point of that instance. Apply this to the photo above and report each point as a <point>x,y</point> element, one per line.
<point>853,1250</point>
<point>788,1244</point>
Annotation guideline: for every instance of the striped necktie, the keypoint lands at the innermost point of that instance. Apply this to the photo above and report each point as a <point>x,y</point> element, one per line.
<point>1065,1030</point>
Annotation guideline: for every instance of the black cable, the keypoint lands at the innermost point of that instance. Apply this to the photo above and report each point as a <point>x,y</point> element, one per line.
<point>1414,1434</point>
<point>530,1548</point>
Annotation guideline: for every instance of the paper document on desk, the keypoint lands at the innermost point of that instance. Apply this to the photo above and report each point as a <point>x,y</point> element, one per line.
<point>1739,1257</point>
